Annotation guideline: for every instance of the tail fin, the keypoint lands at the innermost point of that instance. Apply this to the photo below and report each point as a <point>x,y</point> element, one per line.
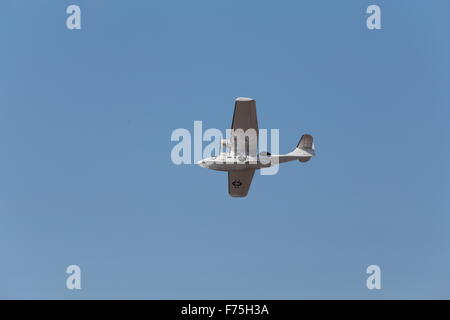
<point>305,148</point>
<point>306,142</point>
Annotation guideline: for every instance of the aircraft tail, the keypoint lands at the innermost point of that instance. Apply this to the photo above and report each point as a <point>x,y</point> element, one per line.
<point>305,148</point>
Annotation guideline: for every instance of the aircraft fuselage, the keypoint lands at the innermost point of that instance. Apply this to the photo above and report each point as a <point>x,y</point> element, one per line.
<point>227,162</point>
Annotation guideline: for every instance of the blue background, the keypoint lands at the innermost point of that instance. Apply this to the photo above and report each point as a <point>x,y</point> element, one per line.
<point>86,177</point>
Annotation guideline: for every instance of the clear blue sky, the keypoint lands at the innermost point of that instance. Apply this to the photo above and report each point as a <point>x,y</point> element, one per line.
<point>85,171</point>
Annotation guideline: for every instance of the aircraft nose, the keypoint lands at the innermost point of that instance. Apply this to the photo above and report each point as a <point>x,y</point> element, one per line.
<point>202,163</point>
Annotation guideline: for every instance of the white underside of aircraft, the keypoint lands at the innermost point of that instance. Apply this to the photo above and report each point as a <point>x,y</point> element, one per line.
<point>241,160</point>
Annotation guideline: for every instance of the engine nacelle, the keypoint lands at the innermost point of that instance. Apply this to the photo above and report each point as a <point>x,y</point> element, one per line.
<point>225,143</point>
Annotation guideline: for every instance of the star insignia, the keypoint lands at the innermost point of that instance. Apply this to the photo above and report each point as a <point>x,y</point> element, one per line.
<point>236,183</point>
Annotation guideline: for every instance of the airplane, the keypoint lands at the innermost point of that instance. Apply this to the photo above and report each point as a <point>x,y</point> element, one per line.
<point>241,160</point>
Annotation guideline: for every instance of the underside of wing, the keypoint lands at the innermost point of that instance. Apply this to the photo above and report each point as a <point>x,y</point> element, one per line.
<point>244,118</point>
<point>239,182</point>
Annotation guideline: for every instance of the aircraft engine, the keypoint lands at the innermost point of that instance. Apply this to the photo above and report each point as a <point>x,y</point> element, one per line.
<point>225,143</point>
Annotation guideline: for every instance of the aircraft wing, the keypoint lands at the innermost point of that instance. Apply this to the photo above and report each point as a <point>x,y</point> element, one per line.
<point>244,117</point>
<point>239,182</point>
